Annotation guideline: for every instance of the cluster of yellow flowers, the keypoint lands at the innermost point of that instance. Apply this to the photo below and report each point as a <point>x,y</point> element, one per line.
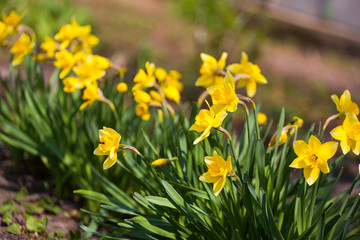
<point>71,51</point>
<point>162,85</point>
<point>313,157</point>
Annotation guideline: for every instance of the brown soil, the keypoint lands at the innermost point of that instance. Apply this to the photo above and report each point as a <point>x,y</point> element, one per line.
<point>11,180</point>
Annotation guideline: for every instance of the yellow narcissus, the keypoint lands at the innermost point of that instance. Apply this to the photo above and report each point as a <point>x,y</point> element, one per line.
<point>205,121</point>
<point>211,70</point>
<point>251,74</point>
<point>313,157</point>
<point>218,170</point>
<point>21,47</point>
<point>344,105</point>
<point>348,134</point>
<point>223,96</point>
<point>108,145</point>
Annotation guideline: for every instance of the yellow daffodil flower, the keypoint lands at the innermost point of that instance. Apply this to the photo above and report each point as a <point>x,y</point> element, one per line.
<point>218,170</point>
<point>205,121</point>
<point>211,70</point>
<point>122,87</point>
<point>49,46</point>
<point>145,79</point>
<point>142,110</point>
<point>92,68</point>
<point>251,74</point>
<point>344,105</point>
<point>223,96</point>
<point>65,60</point>
<point>12,21</point>
<point>261,118</point>
<point>108,145</point>
<point>21,47</point>
<point>163,161</point>
<point>4,32</point>
<point>74,31</point>
<point>348,134</point>
<point>170,84</point>
<point>313,157</point>
<point>294,124</point>
<point>156,97</point>
<point>90,95</point>
<point>141,96</point>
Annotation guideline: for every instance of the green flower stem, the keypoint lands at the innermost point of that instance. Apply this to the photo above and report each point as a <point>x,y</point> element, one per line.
<point>233,154</point>
<point>313,198</point>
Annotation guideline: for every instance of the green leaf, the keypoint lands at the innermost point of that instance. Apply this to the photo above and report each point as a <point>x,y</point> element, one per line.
<point>8,206</point>
<point>13,228</point>
<point>160,201</point>
<point>34,224</point>
<point>148,224</point>
<point>7,217</point>
<point>21,194</point>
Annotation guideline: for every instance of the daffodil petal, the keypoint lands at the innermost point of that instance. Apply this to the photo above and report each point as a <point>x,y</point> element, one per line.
<point>219,185</point>
<point>311,175</point>
<point>327,150</point>
<point>206,177</point>
<point>108,163</point>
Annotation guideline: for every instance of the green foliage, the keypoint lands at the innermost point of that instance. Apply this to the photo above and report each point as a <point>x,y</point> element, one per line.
<point>45,17</point>
<point>170,202</point>
<point>8,205</point>
<point>36,225</point>
<point>13,228</point>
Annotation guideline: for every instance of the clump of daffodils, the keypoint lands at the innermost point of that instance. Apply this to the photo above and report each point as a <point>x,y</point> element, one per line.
<point>154,86</point>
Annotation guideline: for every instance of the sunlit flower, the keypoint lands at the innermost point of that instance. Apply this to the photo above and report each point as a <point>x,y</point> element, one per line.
<point>251,74</point>
<point>218,170</point>
<point>205,121</point>
<point>261,118</point>
<point>108,145</point>
<point>145,79</point>
<point>90,95</point>
<point>142,110</point>
<point>92,68</point>
<point>344,105</point>
<point>122,87</point>
<point>163,161</point>
<point>313,157</point>
<point>49,46</point>
<point>73,31</point>
<point>348,134</point>
<point>170,84</point>
<point>12,21</point>
<point>211,70</point>
<point>223,96</point>
<point>4,32</point>
<point>21,47</point>
<point>65,60</point>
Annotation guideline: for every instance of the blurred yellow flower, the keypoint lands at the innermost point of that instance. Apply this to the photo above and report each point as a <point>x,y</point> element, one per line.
<point>49,46</point>
<point>261,118</point>
<point>91,68</point>
<point>348,134</point>
<point>142,110</point>
<point>218,170</point>
<point>205,121</point>
<point>4,32</point>
<point>283,137</point>
<point>156,97</point>
<point>90,95</point>
<point>223,96</point>
<point>251,74</point>
<point>313,157</point>
<point>12,21</point>
<point>163,161</point>
<point>122,87</point>
<point>344,105</point>
<point>141,96</point>
<point>145,79</point>
<point>108,145</point>
<point>211,70</point>
<point>65,60</point>
<point>170,84</point>
<point>21,47</point>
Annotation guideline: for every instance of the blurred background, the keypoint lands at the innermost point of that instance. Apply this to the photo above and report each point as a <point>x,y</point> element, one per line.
<point>307,49</point>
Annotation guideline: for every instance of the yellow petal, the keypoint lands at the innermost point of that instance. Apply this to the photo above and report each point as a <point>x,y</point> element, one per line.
<point>323,166</point>
<point>327,150</point>
<point>222,60</point>
<point>204,135</point>
<point>206,177</point>
<point>338,133</point>
<point>197,128</point>
<point>314,143</point>
<point>300,148</point>
<point>108,163</point>
<point>311,175</point>
<point>298,163</point>
<point>97,151</point>
<point>219,185</point>
<point>251,88</point>
<point>234,68</point>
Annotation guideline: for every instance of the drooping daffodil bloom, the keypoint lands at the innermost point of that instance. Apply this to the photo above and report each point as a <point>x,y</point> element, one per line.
<point>313,157</point>
<point>21,48</point>
<point>250,74</point>
<point>205,121</point>
<point>211,70</point>
<point>348,134</point>
<point>344,105</point>
<point>223,96</point>
<point>108,145</point>
<point>145,79</point>
<point>218,170</point>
